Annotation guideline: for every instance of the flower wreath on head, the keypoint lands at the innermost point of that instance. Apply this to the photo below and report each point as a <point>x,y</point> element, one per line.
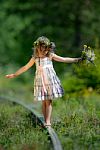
<point>88,55</point>
<point>44,40</point>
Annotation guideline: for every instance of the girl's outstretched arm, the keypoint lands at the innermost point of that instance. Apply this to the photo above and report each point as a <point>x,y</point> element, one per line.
<point>65,59</point>
<point>22,69</point>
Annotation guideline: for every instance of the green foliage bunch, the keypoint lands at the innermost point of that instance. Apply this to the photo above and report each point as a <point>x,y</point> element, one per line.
<point>89,73</point>
<point>83,76</point>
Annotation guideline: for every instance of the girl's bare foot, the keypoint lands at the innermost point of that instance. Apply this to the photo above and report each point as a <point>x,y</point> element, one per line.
<point>48,125</point>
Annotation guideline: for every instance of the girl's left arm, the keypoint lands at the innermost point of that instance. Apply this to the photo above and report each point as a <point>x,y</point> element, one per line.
<point>65,59</point>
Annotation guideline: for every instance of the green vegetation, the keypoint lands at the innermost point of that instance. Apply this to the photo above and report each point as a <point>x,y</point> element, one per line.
<point>76,116</point>
<point>70,24</point>
<point>77,122</point>
<point>17,131</point>
<point>82,77</point>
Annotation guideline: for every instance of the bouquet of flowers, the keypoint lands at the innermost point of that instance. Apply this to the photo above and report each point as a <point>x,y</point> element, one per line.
<point>88,55</point>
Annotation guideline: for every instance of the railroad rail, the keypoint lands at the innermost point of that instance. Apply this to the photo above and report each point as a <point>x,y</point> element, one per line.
<point>38,118</point>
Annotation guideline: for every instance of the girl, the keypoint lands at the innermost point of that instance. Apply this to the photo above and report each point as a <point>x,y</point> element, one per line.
<point>47,85</point>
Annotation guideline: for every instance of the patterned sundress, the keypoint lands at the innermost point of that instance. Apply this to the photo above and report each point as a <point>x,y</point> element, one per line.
<point>47,85</point>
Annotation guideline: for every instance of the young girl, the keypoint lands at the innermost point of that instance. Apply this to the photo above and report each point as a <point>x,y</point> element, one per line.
<point>47,85</point>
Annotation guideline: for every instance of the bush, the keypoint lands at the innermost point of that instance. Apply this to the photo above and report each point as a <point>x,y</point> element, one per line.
<point>83,76</point>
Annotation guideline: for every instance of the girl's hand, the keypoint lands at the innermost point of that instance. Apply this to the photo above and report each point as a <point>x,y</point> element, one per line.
<point>10,76</point>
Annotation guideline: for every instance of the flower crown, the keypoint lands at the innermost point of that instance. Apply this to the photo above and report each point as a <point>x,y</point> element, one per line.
<point>88,55</point>
<point>42,40</point>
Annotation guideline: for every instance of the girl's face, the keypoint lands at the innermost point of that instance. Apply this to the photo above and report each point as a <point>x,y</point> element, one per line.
<point>42,49</point>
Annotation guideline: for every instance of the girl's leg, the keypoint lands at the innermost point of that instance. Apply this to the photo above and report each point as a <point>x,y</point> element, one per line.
<point>48,112</point>
<point>44,109</point>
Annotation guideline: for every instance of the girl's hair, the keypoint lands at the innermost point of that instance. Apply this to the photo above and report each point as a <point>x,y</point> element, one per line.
<point>49,46</point>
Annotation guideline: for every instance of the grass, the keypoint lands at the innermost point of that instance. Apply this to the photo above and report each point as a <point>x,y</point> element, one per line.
<point>78,123</point>
<point>17,131</point>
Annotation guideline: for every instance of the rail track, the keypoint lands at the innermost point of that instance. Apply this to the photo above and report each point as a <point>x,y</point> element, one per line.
<point>38,118</point>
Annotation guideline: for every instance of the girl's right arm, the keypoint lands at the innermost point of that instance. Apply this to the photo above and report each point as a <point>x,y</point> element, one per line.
<point>22,69</point>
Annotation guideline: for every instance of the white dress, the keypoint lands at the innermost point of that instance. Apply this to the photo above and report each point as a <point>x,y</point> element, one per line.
<point>47,85</point>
